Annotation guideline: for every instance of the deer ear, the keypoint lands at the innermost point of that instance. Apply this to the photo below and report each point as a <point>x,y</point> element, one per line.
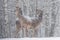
<point>20,11</point>
<point>38,12</point>
<point>41,13</point>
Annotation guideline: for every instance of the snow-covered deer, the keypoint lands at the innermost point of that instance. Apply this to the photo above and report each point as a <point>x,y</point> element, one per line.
<point>26,21</point>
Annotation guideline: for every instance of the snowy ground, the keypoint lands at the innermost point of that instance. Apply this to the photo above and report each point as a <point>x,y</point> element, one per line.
<point>51,38</point>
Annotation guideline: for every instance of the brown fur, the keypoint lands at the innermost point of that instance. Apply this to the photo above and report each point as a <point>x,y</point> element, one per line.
<point>24,22</point>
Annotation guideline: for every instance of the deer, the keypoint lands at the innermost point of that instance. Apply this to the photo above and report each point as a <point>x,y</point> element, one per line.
<point>26,22</point>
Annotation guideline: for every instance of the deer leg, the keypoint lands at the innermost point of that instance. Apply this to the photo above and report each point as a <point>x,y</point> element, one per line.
<point>22,31</point>
<point>18,27</point>
<point>34,32</point>
<point>33,35</point>
<point>26,32</point>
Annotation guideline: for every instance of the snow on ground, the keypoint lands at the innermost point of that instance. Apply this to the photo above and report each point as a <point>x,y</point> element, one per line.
<point>51,38</point>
